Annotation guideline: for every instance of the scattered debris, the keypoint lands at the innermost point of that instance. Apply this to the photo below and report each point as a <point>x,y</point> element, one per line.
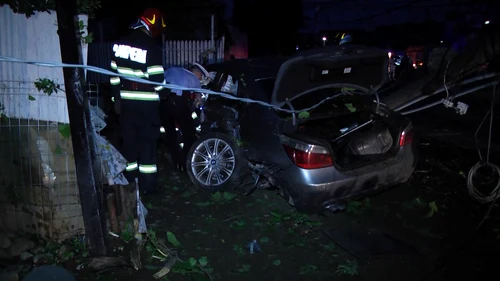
<point>348,268</point>
<point>253,247</point>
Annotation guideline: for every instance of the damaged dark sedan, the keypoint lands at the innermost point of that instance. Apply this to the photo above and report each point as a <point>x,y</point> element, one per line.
<point>347,147</point>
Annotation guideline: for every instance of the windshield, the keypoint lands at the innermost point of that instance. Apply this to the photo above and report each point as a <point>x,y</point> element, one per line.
<point>267,85</point>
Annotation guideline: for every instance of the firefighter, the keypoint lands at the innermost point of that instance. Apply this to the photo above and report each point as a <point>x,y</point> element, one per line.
<point>176,109</point>
<point>137,55</point>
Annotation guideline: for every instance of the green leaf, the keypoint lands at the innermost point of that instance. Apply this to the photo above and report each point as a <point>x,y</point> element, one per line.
<point>203,261</point>
<point>433,208</point>
<point>350,107</point>
<point>192,262</point>
<point>89,38</point>
<point>172,239</point>
<point>202,204</point>
<point>217,196</point>
<point>46,86</point>
<point>264,240</point>
<point>277,262</point>
<point>347,89</point>
<point>186,265</point>
<point>304,115</point>
<point>31,98</point>
<point>245,268</point>
<point>228,196</point>
<point>186,194</point>
<point>64,130</point>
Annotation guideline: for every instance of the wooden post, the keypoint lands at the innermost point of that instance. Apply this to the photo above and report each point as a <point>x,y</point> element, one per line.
<point>81,127</point>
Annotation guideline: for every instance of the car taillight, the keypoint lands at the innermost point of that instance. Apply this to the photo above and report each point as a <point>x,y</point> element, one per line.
<point>307,156</point>
<point>406,137</point>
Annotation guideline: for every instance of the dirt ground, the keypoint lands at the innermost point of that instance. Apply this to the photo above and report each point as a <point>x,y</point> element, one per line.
<point>432,213</point>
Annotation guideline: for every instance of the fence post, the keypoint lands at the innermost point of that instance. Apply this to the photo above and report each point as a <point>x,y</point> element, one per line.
<point>81,127</point>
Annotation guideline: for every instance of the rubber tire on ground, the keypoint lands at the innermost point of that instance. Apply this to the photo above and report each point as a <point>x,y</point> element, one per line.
<point>240,170</point>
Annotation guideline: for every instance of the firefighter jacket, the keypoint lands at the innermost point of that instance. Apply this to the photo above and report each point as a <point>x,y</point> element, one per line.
<point>137,55</point>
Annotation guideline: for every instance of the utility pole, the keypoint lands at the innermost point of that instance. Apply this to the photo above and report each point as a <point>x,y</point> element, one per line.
<point>81,127</point>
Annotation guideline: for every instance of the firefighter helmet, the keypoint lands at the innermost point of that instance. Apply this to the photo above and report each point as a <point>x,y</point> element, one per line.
<point>151,19</point>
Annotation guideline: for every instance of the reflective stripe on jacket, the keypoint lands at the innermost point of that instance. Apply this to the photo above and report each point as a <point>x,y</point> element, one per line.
<point>138,56</point>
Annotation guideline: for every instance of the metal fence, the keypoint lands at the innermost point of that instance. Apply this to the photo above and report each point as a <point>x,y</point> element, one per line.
<point>38,188</point>
<point>99,54</point>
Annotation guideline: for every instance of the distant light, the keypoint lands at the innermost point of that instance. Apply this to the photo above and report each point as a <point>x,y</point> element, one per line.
<point>441,41</point>
<point>296,48</point>
<point>389,54</point>
<point>414,65</point>
<point>324,38</point>
<point>487,22</point>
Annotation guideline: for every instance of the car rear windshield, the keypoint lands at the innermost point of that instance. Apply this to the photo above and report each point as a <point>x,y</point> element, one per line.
<point>267,85</point>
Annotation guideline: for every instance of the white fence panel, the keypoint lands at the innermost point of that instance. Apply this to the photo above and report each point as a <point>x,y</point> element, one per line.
<point>183,53</point>
<point>36,39</point>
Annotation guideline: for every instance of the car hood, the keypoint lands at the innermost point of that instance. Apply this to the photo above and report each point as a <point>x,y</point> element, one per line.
<point>361,67</point>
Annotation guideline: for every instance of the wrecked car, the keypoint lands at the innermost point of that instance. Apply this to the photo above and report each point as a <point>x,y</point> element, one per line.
<point>347,147</point>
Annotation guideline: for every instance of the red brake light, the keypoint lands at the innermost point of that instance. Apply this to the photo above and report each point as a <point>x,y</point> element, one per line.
<point>405,138</point>
<point>307,156</point>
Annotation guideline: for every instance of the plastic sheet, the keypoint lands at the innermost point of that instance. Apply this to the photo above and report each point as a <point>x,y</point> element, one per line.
<point>97,117</point>
<point>230,86</point>
<point>49,177</point>
<point>112,162</point>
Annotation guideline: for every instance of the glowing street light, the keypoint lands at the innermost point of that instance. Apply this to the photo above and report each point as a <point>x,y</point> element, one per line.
<point>324,40</point>
<point>487,22</point>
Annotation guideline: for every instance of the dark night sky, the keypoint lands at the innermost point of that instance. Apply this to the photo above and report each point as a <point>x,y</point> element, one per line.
<point>338,14</point>
<point>369,14</point>
<point>319,15</point>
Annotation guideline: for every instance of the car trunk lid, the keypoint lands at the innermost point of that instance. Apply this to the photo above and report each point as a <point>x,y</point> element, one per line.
<point>352,66</point>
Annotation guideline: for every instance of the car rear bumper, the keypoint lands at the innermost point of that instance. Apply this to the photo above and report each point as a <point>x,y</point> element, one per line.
<point>315,190</point>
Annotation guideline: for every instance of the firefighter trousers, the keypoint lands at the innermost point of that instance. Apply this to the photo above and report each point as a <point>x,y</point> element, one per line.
<point>140,128</point>
<point>175,110</point>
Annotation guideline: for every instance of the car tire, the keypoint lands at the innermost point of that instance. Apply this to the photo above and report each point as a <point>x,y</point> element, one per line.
<point>229,172</point>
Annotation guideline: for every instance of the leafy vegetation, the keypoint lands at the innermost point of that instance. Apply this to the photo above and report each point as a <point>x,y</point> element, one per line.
<point>30,7</point>
<point>47,86</point>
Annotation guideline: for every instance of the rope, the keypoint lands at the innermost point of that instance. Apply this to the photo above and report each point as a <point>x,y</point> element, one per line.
<point>170,86</point>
